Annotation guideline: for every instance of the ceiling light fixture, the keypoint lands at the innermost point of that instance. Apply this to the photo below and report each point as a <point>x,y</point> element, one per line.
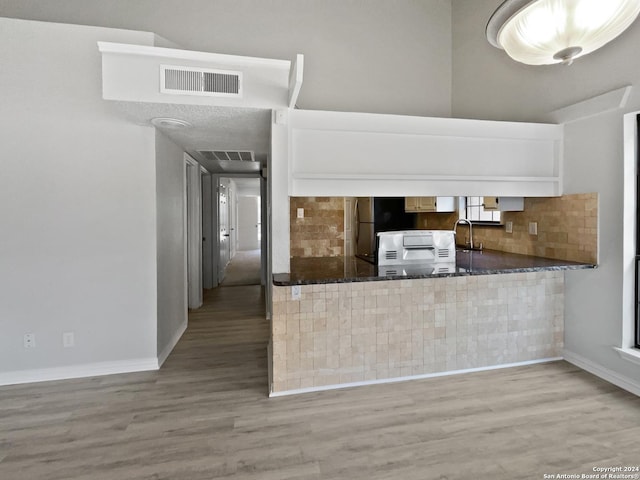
<point>167,122</point>
<point>543,32</point>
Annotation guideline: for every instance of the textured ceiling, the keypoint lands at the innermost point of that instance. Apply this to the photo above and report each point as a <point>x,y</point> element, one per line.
<point>212,128</point>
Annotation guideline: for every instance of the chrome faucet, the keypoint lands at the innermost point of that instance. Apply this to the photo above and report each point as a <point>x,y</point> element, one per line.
<point>455,231</point>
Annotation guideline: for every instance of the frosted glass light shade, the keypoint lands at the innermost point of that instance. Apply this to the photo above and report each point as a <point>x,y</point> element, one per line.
<point>542,32</point>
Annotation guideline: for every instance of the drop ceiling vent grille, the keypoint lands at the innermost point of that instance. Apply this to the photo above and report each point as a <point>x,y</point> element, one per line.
<point>227,156</point>
<point>200,81</point>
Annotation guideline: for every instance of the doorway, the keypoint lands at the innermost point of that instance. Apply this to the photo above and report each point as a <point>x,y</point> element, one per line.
<point>242,214</point>
<point>192,228</point>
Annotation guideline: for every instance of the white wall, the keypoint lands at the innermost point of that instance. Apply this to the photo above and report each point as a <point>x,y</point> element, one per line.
<point>172,299</point>
<point>77,209</point>
<point>360,55</point>
<point>487,84</point>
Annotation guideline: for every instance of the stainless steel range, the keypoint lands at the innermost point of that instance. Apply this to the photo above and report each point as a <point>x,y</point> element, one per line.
<point>416,252</point>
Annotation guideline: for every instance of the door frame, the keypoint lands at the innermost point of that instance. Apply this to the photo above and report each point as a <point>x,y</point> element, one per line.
<point>222,184</point>
<point>192,231</point>
<point>209,215</point>
<point>264,215</point>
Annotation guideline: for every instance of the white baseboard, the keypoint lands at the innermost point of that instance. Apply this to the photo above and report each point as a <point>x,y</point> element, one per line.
<point>411,377</point>
<point>610,376</point>
<point>78,371</point>
<point>166,351</point>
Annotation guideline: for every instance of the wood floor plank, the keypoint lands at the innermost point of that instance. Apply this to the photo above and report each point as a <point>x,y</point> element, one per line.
<point>206,415</point>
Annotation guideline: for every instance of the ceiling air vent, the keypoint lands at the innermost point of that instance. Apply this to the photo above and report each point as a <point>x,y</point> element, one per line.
<point>200,81</point>
<point>236,156</point>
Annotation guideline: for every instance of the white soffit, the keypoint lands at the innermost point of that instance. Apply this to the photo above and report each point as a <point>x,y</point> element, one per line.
<point>612,100</point>
<point>132,79</point>
<point>135,73</point>
<point>191,55</point>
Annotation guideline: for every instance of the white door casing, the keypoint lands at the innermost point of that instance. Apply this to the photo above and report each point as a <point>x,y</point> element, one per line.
<point>223,227</point>
<point>193,231</point>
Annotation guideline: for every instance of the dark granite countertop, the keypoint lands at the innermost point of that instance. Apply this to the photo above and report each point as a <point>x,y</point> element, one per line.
<point>307,271</point>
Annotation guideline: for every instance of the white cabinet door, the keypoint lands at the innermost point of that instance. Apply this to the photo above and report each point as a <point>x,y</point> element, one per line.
<point>503,204</point>
<point>429,204</point>
<point>411,204</point>
<point>445,204</point>
<point>490,203</point>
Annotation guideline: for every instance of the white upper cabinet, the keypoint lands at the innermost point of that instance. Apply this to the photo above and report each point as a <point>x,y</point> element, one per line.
<point>429,204</point>
<point>360,154</point>
<point>503,204</point>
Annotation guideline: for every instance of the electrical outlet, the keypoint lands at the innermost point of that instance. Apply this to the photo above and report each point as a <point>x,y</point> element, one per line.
<point>29,340</point>
<point>68,340</point>
<point>295,292</point>
<point>300,213</point>
<point>508,227</point>
<point>533,228</point>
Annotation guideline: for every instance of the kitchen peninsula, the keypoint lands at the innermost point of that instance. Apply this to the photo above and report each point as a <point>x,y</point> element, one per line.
<point>351,326</point>
<point>337,329</point>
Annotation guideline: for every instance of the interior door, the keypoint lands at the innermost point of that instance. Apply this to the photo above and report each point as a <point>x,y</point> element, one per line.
<point>223,224</point>
<point>248,223</point>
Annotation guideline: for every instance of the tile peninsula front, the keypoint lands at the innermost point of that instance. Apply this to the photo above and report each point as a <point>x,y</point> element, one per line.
<point>363,331</point>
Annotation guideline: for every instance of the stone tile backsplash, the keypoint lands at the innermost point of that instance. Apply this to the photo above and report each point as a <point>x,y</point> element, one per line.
<point>321,232</point>
<point>567,228</point>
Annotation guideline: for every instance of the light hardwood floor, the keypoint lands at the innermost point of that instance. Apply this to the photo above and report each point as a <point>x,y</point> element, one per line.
<point>243,269</point>
<point>206,415</point>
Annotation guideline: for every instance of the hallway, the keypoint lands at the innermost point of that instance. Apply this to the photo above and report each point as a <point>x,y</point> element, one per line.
<point>243,269</point>
<point>226,340</point>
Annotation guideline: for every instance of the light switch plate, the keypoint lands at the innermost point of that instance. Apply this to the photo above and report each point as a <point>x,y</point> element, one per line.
<point>300,213</point>
<point>508,227</point>
<point>280,117</point>
<point>533,228</point>
<point>68,340</point>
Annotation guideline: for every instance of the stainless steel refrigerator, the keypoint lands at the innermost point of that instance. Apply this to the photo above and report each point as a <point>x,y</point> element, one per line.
<point>378,214</point>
